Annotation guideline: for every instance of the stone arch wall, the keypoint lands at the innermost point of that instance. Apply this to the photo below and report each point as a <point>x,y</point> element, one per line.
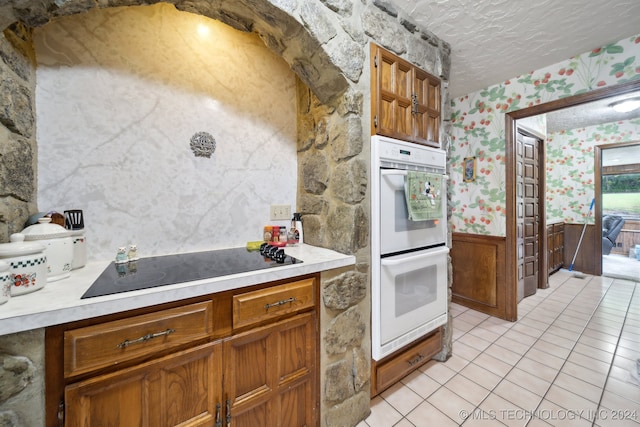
<point>326,44</point>
<point>301,35</point>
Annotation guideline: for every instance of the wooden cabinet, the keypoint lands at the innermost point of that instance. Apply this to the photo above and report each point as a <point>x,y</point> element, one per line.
<point>391,369</point>
<point>555,247</point>
<point>250,308</point>
<point>110,343</point>
<point>241,358</point>
<point>180,389</point>
<point>406,101</point>
<point>269,374</point>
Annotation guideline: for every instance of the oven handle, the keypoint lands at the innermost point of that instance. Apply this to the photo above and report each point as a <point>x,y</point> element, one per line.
<point>401,172</point>
<point>393,172</point>
<point>414,256</point>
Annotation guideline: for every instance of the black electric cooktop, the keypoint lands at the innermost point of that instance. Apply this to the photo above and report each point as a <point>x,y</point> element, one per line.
<point>170,269</point>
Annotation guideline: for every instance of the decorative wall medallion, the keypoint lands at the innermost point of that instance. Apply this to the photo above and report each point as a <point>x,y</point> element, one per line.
<point>203,144</point>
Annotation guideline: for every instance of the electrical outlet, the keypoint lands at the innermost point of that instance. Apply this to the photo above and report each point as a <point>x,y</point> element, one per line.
<point>280,212</point>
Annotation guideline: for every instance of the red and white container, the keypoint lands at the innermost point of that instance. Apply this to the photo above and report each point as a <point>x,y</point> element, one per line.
<point>58,247</point>
<point>27,264</point>
<point>5,282</point>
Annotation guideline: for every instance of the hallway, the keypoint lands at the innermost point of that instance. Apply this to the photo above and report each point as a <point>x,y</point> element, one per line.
<point>567,361</point>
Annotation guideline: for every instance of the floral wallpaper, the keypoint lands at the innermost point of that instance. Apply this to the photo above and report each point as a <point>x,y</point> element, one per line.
<point>570,167</point>
<point>478,207</point>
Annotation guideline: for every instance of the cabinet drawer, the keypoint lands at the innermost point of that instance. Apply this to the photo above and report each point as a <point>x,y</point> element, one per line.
<point>110,343</point>
<point>257,306</point>
<point>401,364</point>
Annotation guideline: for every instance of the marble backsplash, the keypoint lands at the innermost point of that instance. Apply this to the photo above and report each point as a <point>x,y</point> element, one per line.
<point>120,93</point>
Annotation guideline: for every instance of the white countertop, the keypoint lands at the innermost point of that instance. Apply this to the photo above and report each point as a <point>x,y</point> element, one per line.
<point>59,302</point>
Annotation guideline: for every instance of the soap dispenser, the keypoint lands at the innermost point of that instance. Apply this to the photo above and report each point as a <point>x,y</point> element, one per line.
<point>296,223</point>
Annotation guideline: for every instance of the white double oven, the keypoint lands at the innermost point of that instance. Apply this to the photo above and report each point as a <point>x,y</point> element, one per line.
<point>409,258</point>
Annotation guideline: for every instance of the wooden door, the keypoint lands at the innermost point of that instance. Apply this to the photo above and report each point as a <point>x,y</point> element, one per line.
<point>269,374</point>
<point>426,117</point>
<point>531,214</point>
<point>531,218</point>
<point>519,203</point>
<point>179,389</point>
<point>393,81</point>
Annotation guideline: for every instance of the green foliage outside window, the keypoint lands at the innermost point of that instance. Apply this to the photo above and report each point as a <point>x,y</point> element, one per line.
<point>627,183</point>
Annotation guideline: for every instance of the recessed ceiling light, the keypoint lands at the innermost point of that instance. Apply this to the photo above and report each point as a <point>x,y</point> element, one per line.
<point>626,105</point>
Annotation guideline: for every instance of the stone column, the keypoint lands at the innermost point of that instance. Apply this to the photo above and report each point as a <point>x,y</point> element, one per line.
<point>17,130</point>
<point>22,365</point>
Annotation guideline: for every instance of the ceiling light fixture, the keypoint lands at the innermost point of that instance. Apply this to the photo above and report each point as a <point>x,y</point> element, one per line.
<point>203,30</point>
<point>626,105</point>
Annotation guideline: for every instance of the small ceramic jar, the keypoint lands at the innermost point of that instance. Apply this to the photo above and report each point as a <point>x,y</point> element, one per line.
<point>5,282</point>
<point>58,247</point>
<point>27,264</point>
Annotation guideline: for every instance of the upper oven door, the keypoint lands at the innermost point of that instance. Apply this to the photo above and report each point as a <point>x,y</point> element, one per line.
<point>397,232</point>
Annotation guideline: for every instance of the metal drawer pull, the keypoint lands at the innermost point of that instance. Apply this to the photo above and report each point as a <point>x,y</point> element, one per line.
<point>279,303</point>
<point>415,360</point>
<point>145,338</point>
<point>218,419</point>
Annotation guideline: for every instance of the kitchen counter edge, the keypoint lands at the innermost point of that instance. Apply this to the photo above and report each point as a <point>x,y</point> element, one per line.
<point>59,302</point>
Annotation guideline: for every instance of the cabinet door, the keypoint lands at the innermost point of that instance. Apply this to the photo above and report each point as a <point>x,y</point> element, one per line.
<point>558,256</point>
<point>393,81</point>
<point>269,374</point>
<point>550,249</point>
<point>181,388</point>
<point>405,99</point>
<point>426,117</point>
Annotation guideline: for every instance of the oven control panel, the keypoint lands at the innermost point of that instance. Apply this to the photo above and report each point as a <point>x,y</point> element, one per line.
<point>409,153</point>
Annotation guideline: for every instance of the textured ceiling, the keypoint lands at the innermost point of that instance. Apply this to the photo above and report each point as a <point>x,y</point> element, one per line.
<point>495,40</point>
<point>590,114</point>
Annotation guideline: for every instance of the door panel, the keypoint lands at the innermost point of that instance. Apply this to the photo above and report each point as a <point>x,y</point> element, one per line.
<point>531,220</point>
<point>278,377</point>
<point>175,390</point>
<point>520,217</point>
<point>394,113</point>
<point>427,114</point>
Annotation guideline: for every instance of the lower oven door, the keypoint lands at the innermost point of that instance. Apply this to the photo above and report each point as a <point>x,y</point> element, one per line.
<point>412,299</point>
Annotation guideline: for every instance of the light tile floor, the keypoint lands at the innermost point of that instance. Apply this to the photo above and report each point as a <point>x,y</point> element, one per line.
<point>620,266</point>
<point>567,361</point>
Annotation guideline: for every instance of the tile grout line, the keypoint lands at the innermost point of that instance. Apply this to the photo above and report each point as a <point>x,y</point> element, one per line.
<point>539,339</point>
<point>586,323</point>
<point>501,335</point>
<point>626,316</point>
<point>573,348</point>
